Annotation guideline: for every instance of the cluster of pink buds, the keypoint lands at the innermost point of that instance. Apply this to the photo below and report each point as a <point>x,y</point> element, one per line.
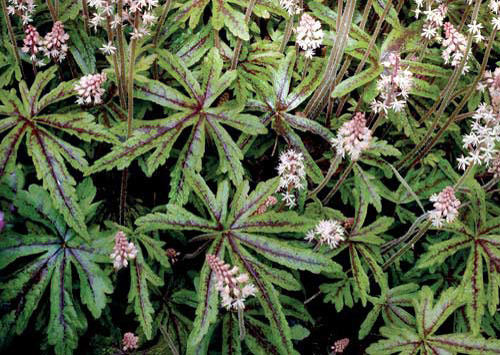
<point>89,88</point>
<point>130,341</point>
<point>353,137</point>
<point>292,175</point>
<point>22,8</point>
<point>340,345</point>
<point>445,207</point>
<point>33,44</point>
<point>309,34</point>
<point>122,251</point>
<point>172,255</point>
<point>482,140</point>
<point>329,232</point>
<point>269,202</point>
<point>233,288</point>
<point>137,13</point>
<point>455,45</point>
<point>55,46</point>
<point>394,85</point>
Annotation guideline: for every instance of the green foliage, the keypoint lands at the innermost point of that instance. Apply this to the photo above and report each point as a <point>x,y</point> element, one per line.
<point>46,258</point>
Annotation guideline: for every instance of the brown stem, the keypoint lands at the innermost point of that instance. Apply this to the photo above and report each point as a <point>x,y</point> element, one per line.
<point>85,15</point>
<point>53,12</point>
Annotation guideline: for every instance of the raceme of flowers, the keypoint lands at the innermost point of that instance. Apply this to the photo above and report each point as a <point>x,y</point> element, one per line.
<point>89,88</point>
<point>455,45</point>
<point>329,232</point>
<point>353,137</point>
<point>32,44</point>
<point>394,85</point>
<point>445,207</point>
<point>233,287</point>
<point>309,34</point>
<point>123,251</point>
<point>53,45</point>
<point>130,341</point>
<point>292,175</point>
<point>482,139</point>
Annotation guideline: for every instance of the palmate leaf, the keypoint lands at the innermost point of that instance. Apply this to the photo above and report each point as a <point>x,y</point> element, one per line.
<point>224,14</point>
<point>430,315</point>
<point>483,254</point>
<point>276,102</point>
<point>195,112</point>
<point>48,151</point>
<point>53,251</point>
<point>236,234</point>
<point>390,304</point>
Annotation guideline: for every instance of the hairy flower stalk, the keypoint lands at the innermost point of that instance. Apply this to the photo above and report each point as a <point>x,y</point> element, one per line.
<point>329,232</point>
<point>130,341</point>
<point>123,251</point>
<point>293,8</point>
<point>89,89</point>
<point>445,207</point>
<point>394,85</point>
<point>292,175</point>
<point>2,221</point>
<point>309,34</point>
<point>353,137</point>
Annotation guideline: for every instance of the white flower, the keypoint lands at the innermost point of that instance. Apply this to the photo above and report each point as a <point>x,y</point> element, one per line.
<point>328,232</point>
<point>292,175</point>
<point>108,49</point>
<point>292,6</point>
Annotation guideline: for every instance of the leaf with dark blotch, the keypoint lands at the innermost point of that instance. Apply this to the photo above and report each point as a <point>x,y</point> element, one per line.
<point>231,344</point>
<point>9,145</point>
<point>176,218</point>
<point>206,312</point>
<point>285,254</point>
<point>51,169</point>
<point>181,73</point>
<point>57,249</point>
<point>79,124</point>
<point>163,95</point>
<point>268,298</point>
